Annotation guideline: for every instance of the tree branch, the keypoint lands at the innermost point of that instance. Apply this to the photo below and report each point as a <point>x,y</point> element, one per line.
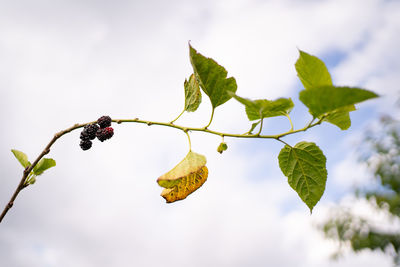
<point>22,184</point>
<point>28,169</point>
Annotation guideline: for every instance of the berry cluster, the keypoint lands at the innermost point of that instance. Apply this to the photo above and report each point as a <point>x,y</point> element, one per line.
<point>101,130</point>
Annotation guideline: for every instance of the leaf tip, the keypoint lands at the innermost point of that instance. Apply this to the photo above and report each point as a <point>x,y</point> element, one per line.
<point>375,95</point>
<point>191,49</point>
<point>302,53</point>
<point>311,206</point>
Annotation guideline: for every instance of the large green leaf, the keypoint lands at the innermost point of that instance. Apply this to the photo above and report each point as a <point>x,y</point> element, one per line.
<point>212,78</point>
<point>192,94</point>
<point>312,71</point>
<point>324,99</point>
<point>305,166</point>
<point>21,157</point>
<point>43,165</point>
<point>263,108</point>
<point>184,178</point>
<point>341,117</point>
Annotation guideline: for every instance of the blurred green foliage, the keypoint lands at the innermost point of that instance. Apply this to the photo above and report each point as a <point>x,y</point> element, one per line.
<point>381,150</point>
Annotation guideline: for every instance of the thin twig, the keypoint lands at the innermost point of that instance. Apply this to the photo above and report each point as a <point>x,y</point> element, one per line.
<point>28,169</point>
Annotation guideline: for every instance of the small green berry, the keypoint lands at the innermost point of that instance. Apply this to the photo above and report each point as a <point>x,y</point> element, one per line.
<point>222,147</point>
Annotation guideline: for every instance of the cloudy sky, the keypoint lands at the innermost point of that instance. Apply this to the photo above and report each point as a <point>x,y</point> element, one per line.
<point>63,62</point>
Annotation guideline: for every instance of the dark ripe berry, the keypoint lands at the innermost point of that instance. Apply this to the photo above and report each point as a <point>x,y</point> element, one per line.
<point>91,130</point>
<point>85,144</point>
<point>100,135</point>
<point>104,121</point>
<point>104,134</point>
<point>84,136</point>
<point>109,132</point>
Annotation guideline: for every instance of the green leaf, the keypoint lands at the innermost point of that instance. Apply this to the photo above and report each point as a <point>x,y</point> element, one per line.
<point>253,126</point>
<point>184,178</point>
<point>32,180</point>
<point>21,157</point>
<point>212,78</point>
<point>341,117</point>
<point>305,166</point>
<point>324,99</point>
<point>192,94</point>
<point>43,165</point>
<point>263,108</point>
<point>312,71</point>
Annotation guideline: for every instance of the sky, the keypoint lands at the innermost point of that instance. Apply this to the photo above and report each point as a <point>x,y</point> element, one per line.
<point>66,62</point>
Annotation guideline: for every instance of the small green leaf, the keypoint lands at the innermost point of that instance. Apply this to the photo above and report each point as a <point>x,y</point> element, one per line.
<point>184,178</point>
<point>253,126</point>
<point>21,157</point>
<point>312,71</point>
<point>43,165</point>
<point>270,108</point>
<point>212,78</point>
<point>192,94</point>
<point>324,99</point>
<point>263,108</point>
<point>341,117</point>
<point>222,147</point>
<point>305,166</point>
<point>32,180</point>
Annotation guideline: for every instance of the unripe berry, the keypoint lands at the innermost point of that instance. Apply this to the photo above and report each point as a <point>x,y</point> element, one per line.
<point>222,147</point>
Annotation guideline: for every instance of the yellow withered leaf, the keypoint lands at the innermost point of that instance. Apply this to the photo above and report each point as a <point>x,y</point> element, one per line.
<point>184,178</point>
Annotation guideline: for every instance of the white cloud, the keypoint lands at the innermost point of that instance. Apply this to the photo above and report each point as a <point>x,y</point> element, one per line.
<point>350,173</point>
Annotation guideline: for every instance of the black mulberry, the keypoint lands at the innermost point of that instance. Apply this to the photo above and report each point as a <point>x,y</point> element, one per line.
<point>104,134</point>
<point>90,130</point>
<point>84,136</point>
<point>104,121</point>
<point>85,144</point>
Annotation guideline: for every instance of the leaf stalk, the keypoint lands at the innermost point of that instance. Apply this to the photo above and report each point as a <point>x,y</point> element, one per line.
<point>212,116</point>
<point>183,111</point>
